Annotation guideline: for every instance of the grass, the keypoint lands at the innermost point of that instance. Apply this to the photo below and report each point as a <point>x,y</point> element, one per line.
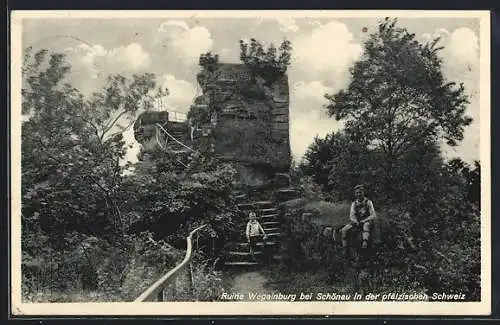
<point>137,278</point>
<point>327,213</point>
<point>322,213</point>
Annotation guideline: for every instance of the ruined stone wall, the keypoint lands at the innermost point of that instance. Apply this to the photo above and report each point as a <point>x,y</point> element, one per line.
<point>250,119</point>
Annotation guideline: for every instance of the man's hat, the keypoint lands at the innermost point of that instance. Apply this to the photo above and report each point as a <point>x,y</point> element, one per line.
<point>359,187</point>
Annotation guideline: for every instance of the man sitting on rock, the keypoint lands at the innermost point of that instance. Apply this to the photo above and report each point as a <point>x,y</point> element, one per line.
<point>362,213</point>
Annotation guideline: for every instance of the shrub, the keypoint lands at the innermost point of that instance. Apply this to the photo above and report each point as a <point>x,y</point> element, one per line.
<point>270,64</point>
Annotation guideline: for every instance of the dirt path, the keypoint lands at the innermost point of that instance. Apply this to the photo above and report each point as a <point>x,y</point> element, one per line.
<point>252,281</point>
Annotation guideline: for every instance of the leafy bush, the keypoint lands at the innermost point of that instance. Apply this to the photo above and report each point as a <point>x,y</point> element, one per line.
<point>199,282</point>
<point>267,63</point>
<point>92,269</point>
<point>82,237</point>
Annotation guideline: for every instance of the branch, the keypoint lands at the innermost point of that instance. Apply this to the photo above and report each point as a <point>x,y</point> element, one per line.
<point>442,255</point>
<point>418,266</point>
<point>96,129</point>
<point>110,125</point>
<point>44,148</point>
<point>125,129</point>
<point>402,148</point>
<point>119,215</point>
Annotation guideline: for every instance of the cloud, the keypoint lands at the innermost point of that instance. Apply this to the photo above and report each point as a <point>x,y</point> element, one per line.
<point>98,59</point>
<point>288,25</point>
<point>461,49</point>
<point>165,27</point>
<point>321,61</point>
<point>91,64</point>
<point>181,93</point>
<point>229,56</point>
<point>304,126</point>
<point>314,89</point>
<point>328,51</point>
<point>188,43</point>
<point>461,64</point>
<point>439,32</point>
<point>308,117</point>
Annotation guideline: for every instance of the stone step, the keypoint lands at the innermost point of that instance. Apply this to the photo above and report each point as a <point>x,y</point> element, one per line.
<point>267,211</point>
<point>267,230</point>
<point>286,194</point>
<point>241,263</point>
<point>240,197</point>
<point>268,217</point>
<point>245,206</point>
<point>264,204</point>
<point>270,223</point>
<point>269,243</point>
<point>236,253</point>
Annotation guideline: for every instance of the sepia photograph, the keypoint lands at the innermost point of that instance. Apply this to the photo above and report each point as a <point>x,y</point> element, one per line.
<point>250,163</point>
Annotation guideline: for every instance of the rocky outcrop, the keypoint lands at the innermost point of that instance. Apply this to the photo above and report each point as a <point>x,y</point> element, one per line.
<point>250,120</point>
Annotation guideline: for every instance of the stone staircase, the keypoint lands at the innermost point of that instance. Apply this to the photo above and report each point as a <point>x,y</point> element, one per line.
<point>179,131</point>
<point>238,253</point>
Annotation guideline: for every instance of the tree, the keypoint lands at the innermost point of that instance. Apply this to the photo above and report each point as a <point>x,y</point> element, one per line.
<point>173,201</point>
<point>399,96</point>
<point>337,164</point>
<point>270,63</point>
<point>470,176</point>
<point>72,147</point>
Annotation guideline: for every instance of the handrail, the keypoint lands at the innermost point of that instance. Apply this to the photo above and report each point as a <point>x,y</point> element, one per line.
<point>171,136</point>
<point>178,116</point>
<point>155,292</point>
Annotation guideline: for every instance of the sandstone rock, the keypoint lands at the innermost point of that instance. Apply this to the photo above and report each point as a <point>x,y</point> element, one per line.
<point>253,119</point>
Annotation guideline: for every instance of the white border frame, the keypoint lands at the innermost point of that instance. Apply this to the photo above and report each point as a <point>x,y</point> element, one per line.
<point>249,308</point>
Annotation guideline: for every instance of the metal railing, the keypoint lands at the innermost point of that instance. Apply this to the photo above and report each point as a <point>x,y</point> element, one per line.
<point>156,291</point>
<point>175,116</point>
<point>159,127</point>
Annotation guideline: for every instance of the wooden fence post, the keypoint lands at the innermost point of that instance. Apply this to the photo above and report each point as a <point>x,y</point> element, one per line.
<point>190,278</point>
<point>160,296</point>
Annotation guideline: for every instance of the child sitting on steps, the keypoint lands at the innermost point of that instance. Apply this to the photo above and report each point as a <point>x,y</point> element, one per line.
<point>253,232</point>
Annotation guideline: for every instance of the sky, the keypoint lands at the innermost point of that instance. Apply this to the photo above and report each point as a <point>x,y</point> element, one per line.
<point>323,51</point>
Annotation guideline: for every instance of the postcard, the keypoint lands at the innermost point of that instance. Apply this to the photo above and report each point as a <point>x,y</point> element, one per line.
<point>280,162</point>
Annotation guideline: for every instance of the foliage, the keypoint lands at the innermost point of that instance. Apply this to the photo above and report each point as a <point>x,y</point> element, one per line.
<point>209,73</point>
<point>435,201</point>
<point>208,61</point>
<point>72,147</point>
<point>113,270</point>
<point>172,200</point>
<point>471,175</point>
<point>270,64</point>
<point>205,283</point>
<point>398,96</point>
<point>81,222</point>
<point>396,110</point>
<point>337,164</point>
